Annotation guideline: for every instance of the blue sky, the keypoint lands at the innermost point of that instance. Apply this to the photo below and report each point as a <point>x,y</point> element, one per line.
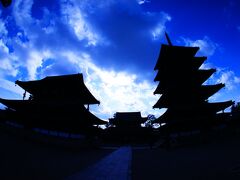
<point>115,44</point>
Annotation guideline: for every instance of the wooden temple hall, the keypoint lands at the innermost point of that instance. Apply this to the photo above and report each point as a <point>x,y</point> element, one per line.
<point>55,103</point>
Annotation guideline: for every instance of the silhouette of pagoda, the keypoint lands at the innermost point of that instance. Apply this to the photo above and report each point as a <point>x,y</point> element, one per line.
<point>55,103</point>
<point>182,90</point>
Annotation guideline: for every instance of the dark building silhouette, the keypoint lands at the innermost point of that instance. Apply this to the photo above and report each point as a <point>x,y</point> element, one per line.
<point>55,103</point>
<point>125,127</point>
<point>127,119</point>
<point>182,90</point>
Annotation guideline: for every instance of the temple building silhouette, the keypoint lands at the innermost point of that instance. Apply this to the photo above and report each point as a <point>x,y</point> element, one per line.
<point>182,89</point>
<point>127,119</point>
<point>55,103</point>
<point>126,127</point>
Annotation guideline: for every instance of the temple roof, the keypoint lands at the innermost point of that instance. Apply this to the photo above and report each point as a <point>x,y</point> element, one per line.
<point>198,76</point>
<point>198,61</point>
<point>179,66</point>
<point>163,102</point>
<point>197,111</point>
<point>209,90</point>
<point>16,104</point>
<point>30,105</point>
<point>69,87</point>
<point>43,110</point>
<point>176,100</point>
<point>179,97</point>
<point>204,91</point>
<point>128,118</point>
<point>128,115</point>
<point>176,53</point>
<point>203,74</point>
<point>219,106</point>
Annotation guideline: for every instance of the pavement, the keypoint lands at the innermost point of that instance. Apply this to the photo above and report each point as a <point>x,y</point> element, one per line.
<point>116,166</point>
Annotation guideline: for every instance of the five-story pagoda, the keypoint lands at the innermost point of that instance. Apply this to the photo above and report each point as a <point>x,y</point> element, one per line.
<point>182,90</point>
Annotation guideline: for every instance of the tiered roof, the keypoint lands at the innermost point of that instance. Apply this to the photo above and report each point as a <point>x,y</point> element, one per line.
<point>181,84</point>
<point>65,87</point>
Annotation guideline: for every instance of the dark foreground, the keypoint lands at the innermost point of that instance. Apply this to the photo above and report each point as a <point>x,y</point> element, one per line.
<point>207,161</point>
<point>24,158</point>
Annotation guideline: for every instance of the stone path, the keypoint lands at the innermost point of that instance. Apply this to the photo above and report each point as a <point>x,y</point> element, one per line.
<point>116,166</point>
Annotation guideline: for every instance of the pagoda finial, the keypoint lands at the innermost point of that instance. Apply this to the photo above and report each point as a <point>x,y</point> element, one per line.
<point>168,39</point>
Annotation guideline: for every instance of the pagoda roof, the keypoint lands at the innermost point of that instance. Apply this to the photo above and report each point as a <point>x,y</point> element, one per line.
<point>198,77</point>
<point>173,114</point>
<point>198,61</point>
<point>163,102</point>
<point>179,97</point>
<point>168,52</point>
<point>204,91</point>
<point>219,106</point>
<point>176,100</point>
<point>172,66</point>
<point>209,90</point>
<point>203,74</point>
<point>60,87</point>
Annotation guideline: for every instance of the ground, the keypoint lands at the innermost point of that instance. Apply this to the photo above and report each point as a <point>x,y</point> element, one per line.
<point>22,157</point>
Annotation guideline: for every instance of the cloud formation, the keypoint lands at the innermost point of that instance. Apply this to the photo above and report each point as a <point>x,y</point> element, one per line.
<point>94,38</point>
<point>206,45</point>
<point>113,43</point>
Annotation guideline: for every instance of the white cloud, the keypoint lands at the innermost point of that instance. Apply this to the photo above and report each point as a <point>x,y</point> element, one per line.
<point>237,80</point>
<point>3,47</point>
<point>9,68</point>
<point>232,84</point>
<point>37,41</point>
<point>117,91</point>
<point>22,12</point>
<point>75,19</point>
<point>229,78</point>
<point>143,1</point>
<point>35,61</point>
<point>207,46</point>
<point>3,30</point>
<point>120,91</point>
<point>159,30</point>
<point>8,64</point>
<point>206,65</point>
<point>11,87</point>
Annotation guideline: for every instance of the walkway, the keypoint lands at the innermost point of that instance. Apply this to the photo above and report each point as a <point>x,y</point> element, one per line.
<point>115,166</point>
